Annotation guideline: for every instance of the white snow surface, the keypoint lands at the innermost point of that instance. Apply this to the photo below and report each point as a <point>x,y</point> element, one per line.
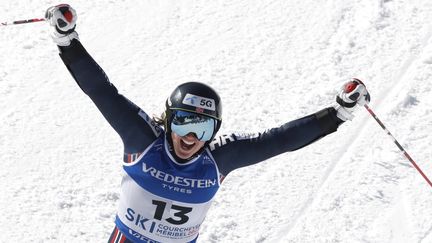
<point>272,62</point>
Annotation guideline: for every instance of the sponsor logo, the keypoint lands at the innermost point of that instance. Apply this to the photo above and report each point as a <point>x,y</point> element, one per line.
<point>156,228</point>
<point>176,232</point>
<point>176,189</point>
<point>178,180</point>
<point>246,136</point>
<point>199,102</point>
<point>225,139</point>
<point>141,237</point>
<point>140,221</point>
<point>221,141</point>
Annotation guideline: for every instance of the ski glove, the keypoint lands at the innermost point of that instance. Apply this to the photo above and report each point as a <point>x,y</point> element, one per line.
<point>352,93</point>
<point>63,17</point>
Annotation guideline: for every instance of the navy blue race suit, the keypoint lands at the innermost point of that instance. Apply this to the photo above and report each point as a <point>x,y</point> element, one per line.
<point>152,170</point>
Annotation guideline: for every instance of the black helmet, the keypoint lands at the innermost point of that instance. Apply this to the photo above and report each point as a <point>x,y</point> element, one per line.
<point>197,98</point>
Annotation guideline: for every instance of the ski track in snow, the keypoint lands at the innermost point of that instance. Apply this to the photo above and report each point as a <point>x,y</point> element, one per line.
<point>427,234</point>
<point>337,157</point>
<point>400,77</point>
<point>358,134</point>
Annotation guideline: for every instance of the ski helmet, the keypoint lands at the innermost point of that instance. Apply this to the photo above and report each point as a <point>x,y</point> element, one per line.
<point>197,98</point>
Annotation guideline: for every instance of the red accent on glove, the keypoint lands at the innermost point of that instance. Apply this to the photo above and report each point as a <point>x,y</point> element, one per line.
<point>349,87</point>
<point>68,15</point>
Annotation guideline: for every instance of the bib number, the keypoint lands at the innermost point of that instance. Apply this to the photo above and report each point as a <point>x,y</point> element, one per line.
<point>181,216</point>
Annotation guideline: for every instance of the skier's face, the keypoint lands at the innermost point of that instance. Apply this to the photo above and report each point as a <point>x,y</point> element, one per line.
<point>186,146</point>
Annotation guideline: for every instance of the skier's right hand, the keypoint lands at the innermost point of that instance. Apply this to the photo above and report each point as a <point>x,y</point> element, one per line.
<point>351,94</point>
<point>63,18</point>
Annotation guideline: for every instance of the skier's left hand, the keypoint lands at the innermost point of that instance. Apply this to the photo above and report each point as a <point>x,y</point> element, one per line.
<point>352,93</point>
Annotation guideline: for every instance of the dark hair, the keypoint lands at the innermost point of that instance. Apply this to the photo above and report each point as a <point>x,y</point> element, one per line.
<point>160,120</point>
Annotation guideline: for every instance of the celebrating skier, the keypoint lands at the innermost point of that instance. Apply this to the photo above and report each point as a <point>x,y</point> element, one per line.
<point>174,164</point>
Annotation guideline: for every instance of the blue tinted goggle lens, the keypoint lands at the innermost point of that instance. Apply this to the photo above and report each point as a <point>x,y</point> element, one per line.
<point>185,122</point>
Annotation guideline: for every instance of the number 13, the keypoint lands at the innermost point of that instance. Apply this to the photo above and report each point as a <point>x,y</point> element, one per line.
<point>181,214</point>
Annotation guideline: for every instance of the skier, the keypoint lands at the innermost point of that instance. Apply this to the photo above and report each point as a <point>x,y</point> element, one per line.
<point>174,165</point>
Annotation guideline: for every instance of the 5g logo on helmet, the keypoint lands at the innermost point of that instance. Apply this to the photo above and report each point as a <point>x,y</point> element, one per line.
<point>199,102</point>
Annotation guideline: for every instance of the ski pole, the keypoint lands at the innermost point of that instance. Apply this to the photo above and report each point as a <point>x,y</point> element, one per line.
<point>25,21</point>
<point>398,145</point>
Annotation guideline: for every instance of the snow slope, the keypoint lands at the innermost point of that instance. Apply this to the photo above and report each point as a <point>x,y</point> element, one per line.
<point>271,61</point>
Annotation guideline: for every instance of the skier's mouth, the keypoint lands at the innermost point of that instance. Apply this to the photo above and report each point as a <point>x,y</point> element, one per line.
<point>186,145</point>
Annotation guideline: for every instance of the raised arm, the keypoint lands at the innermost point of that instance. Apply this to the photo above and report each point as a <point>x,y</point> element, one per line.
<point>236,150</point>
<point>239,150</point>
<point>134,126</point>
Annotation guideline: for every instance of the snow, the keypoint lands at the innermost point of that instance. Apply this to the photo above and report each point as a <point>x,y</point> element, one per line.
<point>271,61</point>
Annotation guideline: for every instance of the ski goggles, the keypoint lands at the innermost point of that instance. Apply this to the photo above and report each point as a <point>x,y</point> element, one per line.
<point>185,122</point>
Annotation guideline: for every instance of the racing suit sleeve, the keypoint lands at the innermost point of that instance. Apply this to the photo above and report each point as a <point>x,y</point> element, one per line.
<point>238,150</point>
<point>135,127</point>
